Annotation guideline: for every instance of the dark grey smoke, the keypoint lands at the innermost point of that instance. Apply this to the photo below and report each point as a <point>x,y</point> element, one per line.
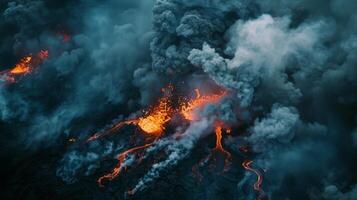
<point>290,68</point>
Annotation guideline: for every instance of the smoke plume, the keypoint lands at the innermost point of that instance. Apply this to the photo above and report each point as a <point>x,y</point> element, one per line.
<point>270,83</point>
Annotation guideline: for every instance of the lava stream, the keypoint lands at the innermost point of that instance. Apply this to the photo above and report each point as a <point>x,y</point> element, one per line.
<point>189,109</point>
<point>121,158</point>
<point>219,147</point>
<point>152,123</point>
<point>258,184</point>
<point>112,129</point>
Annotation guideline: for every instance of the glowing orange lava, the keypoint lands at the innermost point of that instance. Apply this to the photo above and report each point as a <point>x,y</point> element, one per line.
<point>258,184</point>
<point>121,158</point>
<point>189,109</point>
<point>154,121</point>
<point>219,147</point>
<point>151,123</point>
<point>25,65</point>
<point>112,129</point>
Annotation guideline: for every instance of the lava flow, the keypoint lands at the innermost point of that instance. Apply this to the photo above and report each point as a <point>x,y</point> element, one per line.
<point>121,158</point>
<point>219,147</point>
<point>189,109</point>
<point>219,126</point>
<point>25,66</point>
<point>258,184</point>
<point>152,123</point>
<point>112,129</point>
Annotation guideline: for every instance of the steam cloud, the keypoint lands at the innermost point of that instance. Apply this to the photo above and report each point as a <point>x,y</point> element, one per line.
<point>290,67</point>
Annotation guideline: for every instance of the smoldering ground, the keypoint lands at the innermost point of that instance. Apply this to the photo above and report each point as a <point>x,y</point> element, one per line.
<point>290,67</point>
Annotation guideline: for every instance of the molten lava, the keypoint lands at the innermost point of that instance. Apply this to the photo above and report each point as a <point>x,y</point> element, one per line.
<point>153,123</point>
<point>112,129</point>
<point>258,184</point>
<point>121,158</point>
<point>219,147</point>
<point>189,109</point>
<point>25,65</point>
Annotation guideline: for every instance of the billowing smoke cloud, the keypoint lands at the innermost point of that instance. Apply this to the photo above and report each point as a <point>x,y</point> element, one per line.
<point>259,55</point>
<point>176,150</point>
<point>289,68</point>
<point>278,127</point>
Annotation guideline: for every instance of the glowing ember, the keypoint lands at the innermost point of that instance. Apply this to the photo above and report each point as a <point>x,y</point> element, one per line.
<point>65,36</point>
<point>189,109</point>
<point>258,184</point>
<point>121,158</point>
<point>25,66</point>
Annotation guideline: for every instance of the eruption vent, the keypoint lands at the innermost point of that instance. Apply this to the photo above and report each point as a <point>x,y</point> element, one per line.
<point>154,121</point>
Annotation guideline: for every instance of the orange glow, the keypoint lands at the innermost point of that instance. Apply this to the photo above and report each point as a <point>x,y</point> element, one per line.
<point>25,65</point>
<point>154,121</point>
<point>121,158</point>
<point>219,147</point>
<point>112,129</point>
<point>189,109</point>
<point>151,123</point>
<point>257,185</point>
